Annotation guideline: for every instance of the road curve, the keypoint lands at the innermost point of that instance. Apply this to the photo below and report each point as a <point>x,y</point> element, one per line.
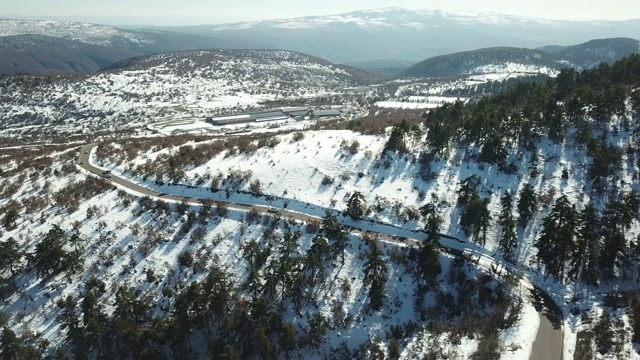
<point>548,344</point>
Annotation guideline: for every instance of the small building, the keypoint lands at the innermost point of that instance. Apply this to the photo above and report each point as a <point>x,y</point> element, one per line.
<point>299,114</point>
<point>228,120</point>
<point>326,113</point>
<point>294,109</point>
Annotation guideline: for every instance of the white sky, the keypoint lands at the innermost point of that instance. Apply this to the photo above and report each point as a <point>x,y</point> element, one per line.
<point>192,12</point>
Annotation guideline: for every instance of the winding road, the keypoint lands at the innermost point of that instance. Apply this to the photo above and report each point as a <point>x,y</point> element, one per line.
<point>548,344</point>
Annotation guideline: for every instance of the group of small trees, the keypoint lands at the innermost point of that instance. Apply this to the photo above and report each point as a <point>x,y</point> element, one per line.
<point>402,137</point>
<point>527,111</point>
<point>587,245</point>
<point>55,253</point>
<point>14,347</point>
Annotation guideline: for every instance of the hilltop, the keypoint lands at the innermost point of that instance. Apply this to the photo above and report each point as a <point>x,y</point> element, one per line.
<point>482,61</point>
<point>546,60</point>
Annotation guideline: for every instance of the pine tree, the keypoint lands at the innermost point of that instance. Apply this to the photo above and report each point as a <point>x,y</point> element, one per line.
<point>438,137</point>
<point>508,239</point>
<point>75,240</point>
<point>287,267</point>
<point>262,343</point>
<point>394,350</point>
<point>375,276</point>
<point>317,330</point>
<point>475,218</point>
<point>315,259</point>
<point>614,253</point>
<point>94,321</point>
<point>336,234</point>
<point>187,307</point>
<point>584,255</point>
<point>493,151</point>
<point>634,316</point>
<point>357,206</point>
<point>606,161</point>
<point>527,204</point>
<point>432,220</point>
<point>50,256</point>
<point>557,237</point>
<point>217,293</point>
<point>467,189</point>
<point>254,254</point>
<point>253,284</point>
<point>10,347</point>
<point>221,348</point>
<point>69,320</point>
<point>616,218</point>
<point>289,338</point>
<point>398,139</point>
<point>9,254</point>
<point>11,216</point>
<point>428,262</point>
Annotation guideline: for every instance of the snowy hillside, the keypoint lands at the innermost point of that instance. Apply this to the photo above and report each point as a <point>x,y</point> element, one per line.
<point>485,162</point>
<point>594,52</point>
<point>130,256</point>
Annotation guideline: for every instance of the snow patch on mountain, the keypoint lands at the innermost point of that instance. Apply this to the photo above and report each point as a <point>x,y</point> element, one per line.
<point>514,69</point>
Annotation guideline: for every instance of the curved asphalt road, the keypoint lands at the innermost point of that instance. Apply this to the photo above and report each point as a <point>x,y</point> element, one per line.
<point>549,338</point>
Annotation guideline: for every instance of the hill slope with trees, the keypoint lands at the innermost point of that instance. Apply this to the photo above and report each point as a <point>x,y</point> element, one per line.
<point>544,60</point>
<point>49,55</point>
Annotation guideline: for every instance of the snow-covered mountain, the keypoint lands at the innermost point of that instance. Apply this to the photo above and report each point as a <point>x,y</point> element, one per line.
<point>179,85</point>
<point>84,32</point>
<point>402,34</point>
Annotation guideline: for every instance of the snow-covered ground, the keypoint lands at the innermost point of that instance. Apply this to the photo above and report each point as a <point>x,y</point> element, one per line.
<point>119,252</point>
<point>293,172</point>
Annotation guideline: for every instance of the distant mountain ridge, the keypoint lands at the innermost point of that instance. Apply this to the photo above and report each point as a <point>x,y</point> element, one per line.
<point>361,38</point>
<point>411,35</point>
<point>62,46</point>
<point>508,59</point>
<point>141,41</point>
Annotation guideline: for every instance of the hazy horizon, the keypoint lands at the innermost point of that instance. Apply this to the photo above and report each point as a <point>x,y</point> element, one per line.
<point>197,12</point>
